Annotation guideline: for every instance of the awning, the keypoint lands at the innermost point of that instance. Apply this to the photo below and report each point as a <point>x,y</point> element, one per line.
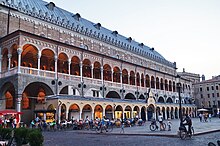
<point>202,110</point>
<point>9,112</point>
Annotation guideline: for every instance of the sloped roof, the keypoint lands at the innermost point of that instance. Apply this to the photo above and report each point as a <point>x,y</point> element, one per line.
<point>51,13</point>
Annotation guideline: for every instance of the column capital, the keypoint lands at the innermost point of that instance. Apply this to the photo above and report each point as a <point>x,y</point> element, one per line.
<point>19,50</point>
<point>55,58</point>
<point>9,55</point>
<point>39,55</point>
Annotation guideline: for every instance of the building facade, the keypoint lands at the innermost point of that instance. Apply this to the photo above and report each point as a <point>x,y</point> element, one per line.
<point>57,65</point>
<point>207,94</point>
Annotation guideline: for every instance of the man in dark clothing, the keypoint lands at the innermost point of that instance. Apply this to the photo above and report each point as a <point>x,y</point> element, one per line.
<point>188,122</point>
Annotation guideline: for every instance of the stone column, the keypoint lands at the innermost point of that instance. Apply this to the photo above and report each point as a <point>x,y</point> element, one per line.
<point>38,63</point>
<point>112,75</point>
<point>92,115</point>
<point>0,63</point>
<point>103,112</point>
<point>69,63</point>
<point>18,105</point>
<point>80,114</point>
<point>92,67</point>
<point>9,61</point>
<point>56,70</point>
<point>102,75</point>
<point>19,51</point>
<point>81,71</point>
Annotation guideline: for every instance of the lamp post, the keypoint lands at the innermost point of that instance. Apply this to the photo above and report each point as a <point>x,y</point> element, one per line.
<point>180,99</point>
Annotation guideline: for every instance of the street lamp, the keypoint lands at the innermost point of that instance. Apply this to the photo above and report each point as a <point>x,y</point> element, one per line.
<point>180,99</point>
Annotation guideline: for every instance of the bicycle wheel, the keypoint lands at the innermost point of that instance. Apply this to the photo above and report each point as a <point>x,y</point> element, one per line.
<point>192,130</point>
<point>182,134</point>
<point>110,128</point>
<point>153,127</point>
<point>164,126</point>
<point>98,129</point>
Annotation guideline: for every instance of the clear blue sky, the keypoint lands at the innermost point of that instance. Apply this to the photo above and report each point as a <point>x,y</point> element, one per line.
<point>184,31</point>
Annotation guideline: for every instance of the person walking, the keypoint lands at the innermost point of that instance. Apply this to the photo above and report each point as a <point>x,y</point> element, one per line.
<point>160,119</point>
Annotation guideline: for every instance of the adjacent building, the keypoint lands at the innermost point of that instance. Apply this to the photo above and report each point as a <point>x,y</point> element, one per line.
<point>57,65</point>
<point>207,94</point>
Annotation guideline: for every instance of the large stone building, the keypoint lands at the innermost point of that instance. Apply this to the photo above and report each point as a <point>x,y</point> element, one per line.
<point>55,64</point>
<point>207,94</point>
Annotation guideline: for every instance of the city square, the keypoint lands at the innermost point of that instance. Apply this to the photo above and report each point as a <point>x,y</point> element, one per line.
<point>62,73</point>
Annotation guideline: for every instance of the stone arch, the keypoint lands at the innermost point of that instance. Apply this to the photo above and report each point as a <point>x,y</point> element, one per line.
<point>136,111</point>
<point>75,66</point>
<point>63,112</point>
<point>168,112</point>
<point>130,96</point>
<point>176,113</point>
<point>98,111</point>
<point>116,75</point>
<point>107,72</point>
<point>109,111</point>
<point>87,111</point>
<point>161,100</point>
<point>9,94</point>
<point>169,100</point>
<point>118,112</point>
<point>147,81</point>
<point>142,80</point>
<point>127,112</point>
<point>5,62</point>
<point>87,68</point>
<point>150,112</point>
<point>14,57</point>
<point>143,113</point>
<point>29,56</point>
<point>161,84</point>
<point>97,70</point>
<point>137,79</point>
<point>47,61</point>
<point>74,112</point>
<point>157,83</point>
<point>142,97</point>
<point>132,78</point>
<point>113,94</point>
<point>152,82</point>
<point>62,63</point>
<point>124,76</point>
<point>163,112</point>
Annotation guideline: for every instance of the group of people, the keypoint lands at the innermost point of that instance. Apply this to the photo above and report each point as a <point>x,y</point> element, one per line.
<point>8,122</point>
<point>203,117</point>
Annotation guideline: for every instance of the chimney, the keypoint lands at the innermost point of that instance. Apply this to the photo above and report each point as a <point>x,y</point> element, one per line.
<point>203,77</point>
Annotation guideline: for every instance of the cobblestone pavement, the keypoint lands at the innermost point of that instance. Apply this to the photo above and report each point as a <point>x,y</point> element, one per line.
<point>137,135</point>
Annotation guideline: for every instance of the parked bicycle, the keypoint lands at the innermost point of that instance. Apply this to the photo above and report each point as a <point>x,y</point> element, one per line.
<point>184,133</point>
<point>108,127</point>
<point>154,126</point>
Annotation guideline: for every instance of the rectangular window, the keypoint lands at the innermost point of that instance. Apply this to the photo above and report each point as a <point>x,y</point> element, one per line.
<point>93,93</point>
<point>217,94</point>
<point>212,87</point>
<point>207,88</point>
<point>200,89</point>
<point>74,91</point>
<point>213,95</point>
<point>97,93</point>
<point>201,96</point>
<point>208,95</point>
<point>216,87</point>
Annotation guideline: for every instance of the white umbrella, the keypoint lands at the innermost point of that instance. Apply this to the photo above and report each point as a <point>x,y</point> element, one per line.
<point>202,110</point>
